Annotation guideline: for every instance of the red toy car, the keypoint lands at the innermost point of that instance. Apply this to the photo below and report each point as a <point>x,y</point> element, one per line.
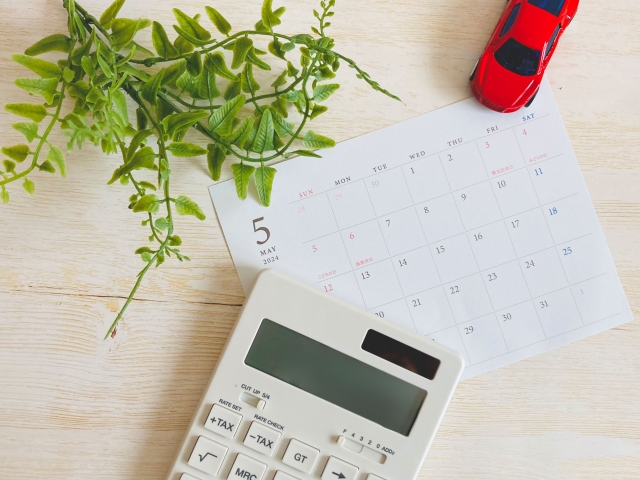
<point>508,74</point>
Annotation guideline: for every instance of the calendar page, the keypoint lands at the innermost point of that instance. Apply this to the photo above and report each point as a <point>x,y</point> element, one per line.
<point>470,227</point>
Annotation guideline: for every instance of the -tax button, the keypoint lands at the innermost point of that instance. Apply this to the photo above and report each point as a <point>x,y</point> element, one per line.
<point>337,469</point>
<point>222,421</point>
<point>300,455</point>
<point>261,438</point>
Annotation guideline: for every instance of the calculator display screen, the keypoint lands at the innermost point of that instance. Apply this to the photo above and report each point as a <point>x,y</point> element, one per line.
<point>335,377</point>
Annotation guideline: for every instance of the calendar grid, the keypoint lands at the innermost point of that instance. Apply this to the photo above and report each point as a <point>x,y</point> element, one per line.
<point>467,229</point>
<point>438,154</point>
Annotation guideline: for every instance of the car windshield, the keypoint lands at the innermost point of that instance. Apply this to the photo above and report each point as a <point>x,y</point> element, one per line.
<point>551,6</point>
<point>517,58</point>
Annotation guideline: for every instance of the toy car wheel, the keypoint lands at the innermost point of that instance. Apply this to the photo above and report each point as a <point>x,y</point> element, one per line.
<point>473,72</point>
<point>531,99</point>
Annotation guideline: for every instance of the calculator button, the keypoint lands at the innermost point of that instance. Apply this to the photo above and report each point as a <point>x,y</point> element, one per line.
<point>300,455</point>
<point>246,468</point>
<point>261,439</point>
<point>207,456</point>
<point>283,476</point>
<point>371,476</point>
<point>337,469</point>
<point>222,421</point>
<point>186,476</point>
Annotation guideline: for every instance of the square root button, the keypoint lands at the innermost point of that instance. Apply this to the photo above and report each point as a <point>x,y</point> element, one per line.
<point>337,469</point>
<point>261,438</point>
<point>207,456</point>
<point>300,455</point>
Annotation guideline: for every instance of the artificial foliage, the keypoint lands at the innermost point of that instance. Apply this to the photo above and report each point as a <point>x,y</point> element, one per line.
<point>205,80</point>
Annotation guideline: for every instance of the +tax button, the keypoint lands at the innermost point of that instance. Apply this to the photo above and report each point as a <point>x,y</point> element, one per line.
<point>223,421</point>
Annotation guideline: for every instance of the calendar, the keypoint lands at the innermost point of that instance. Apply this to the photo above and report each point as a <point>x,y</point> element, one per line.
<point>470,227</point>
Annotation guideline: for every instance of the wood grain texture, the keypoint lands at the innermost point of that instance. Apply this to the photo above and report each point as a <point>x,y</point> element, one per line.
<point>75,407</point>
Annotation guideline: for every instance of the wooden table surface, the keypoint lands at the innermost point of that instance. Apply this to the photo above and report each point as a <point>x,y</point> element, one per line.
<point>73,406</point>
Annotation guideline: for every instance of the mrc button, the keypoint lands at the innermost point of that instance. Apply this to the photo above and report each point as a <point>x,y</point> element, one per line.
<point>246,468</point>
<point>261,438</point>
<point>300,455</point>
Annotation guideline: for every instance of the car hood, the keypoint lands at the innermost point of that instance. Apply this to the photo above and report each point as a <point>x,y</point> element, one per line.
<point>501,86</point>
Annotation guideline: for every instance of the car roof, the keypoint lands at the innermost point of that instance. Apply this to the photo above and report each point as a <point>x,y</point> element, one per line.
<point>534,26</point>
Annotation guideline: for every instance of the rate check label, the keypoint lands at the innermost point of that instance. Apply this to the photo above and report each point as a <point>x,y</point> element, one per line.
<point>470,227</point>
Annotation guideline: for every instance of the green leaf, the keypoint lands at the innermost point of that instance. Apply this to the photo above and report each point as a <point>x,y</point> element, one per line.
<point>322,92</point>
<point>221,121</point>
<point>181,121</point>
<point>136,141</point>
<point>184,149</point>
<point>291,96</point>
<point>4,195</point>
<point>161,42</point>
<point>47,166</point>
<point>52,43</point>
<point>317,110</point>
<point>120,107</point>
<point>281,80</point>
<point>162,224</point>
<point>233,90</point>
<point>27,110</point>
<point>207,87</point>
<point>29,187</point>
<point>240,50</point>
<point>247,81</point>
<point>28,129</point>
<point>190,26</point>
<point>194,64</point>
<point>175,241</point>
<point>17,152</point>
<point>311,140</point>
<point>264,184</point>
<point>55,156</point>
<point>264,138</point>
<point>148,203</point>
<point>216,64</point>
<point>275,47</point>
<point>173,72</point>
<point>252,58</point>
<point>147,185</point>
<point>106,19</point>
<point>9,166</point>
<point>142,250</point>
<point>241,175</point>
<point>39,67</point>
<point>150,89</point>
<point>303,153</point>
<point>124,30</point>
<point>269,19</point>
<point>215,158</point>
<point>282,127</point>
<point>143,158</point>
<point>183,45</point>
<point>68,75</point>
<point>188,37</point>
<point>240,136</point>
<point>218,20</point>
<point>45,87</point>
<point>186,206</point>
<point>83,50</point>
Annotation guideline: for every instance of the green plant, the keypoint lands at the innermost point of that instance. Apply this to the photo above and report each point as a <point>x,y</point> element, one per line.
<point>105,70</point>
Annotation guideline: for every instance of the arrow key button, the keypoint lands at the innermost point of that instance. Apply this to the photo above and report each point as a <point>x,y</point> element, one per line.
<point>337,469</point>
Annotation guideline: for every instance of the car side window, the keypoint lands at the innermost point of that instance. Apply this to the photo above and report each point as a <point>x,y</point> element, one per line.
<point>554,36</point>
<point>510,20</point>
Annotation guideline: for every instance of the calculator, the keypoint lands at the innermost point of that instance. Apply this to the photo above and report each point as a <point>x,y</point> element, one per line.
<point>311,387</point>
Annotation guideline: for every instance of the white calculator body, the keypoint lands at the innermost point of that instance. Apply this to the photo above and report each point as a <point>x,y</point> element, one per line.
<point>310,387</point>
